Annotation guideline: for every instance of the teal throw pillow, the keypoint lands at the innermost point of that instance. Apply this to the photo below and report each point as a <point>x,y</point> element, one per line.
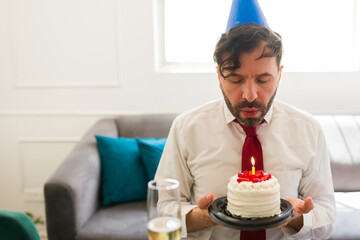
<point>150,151</point>
<point>123,176</point>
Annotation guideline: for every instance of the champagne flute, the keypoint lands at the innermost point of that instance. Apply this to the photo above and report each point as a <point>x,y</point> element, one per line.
<point>163,210</point>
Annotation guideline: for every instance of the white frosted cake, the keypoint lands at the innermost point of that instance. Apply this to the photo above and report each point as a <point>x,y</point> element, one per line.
<point>252,196</point>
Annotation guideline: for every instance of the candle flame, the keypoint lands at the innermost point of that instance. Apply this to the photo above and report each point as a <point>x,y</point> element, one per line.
<point>252,161</point>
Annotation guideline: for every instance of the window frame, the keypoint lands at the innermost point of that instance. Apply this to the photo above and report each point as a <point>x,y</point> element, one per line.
<point>161,65</point>
<point>315,92</point>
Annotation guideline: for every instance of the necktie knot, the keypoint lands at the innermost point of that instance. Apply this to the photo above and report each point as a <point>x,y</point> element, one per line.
<point>250,131</point>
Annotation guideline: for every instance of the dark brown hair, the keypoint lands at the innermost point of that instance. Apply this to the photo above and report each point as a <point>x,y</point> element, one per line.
<point>246,38</point>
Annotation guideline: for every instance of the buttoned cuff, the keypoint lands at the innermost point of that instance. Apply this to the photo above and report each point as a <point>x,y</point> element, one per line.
<point>290,233</point>
<point>185,209</point>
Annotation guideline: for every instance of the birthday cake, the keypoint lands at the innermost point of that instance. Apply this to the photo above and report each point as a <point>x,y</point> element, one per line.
<point>253,196</point>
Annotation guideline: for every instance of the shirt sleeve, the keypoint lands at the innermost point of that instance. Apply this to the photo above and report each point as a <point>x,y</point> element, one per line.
<point>317,184</point>
<point>173,164</point>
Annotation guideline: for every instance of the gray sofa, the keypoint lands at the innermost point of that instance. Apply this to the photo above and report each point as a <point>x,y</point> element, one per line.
<point>72,194</point>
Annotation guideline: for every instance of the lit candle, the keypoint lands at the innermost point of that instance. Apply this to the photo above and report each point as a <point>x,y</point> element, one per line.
<point>253,165</point>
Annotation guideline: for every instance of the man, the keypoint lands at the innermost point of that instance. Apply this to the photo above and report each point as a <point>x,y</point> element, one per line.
<point>204,147</point>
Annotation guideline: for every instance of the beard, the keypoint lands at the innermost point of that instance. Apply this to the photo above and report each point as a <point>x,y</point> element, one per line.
<point>249,122</point>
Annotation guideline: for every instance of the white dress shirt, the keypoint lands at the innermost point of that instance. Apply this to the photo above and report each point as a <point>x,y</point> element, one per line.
<point>204,149</point>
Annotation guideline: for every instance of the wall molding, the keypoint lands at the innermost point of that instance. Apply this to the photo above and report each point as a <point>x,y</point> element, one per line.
<point>14,23</point>
<point>77,113</point>
<point>35,194</point>
<point>68,85</point>
<point>48,140</point>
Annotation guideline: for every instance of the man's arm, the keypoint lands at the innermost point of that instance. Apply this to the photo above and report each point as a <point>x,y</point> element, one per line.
<point>316,183</point>
<point>173,164</point>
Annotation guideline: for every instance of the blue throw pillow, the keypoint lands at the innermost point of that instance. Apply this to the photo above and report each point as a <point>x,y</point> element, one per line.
<point>150,151</point>
<point>123,176</point>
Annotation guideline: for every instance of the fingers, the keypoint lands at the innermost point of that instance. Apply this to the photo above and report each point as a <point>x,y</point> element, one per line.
<point>199,218</point>
<point>204,201</point>
<point>308,205</point>
<point>300,207</point>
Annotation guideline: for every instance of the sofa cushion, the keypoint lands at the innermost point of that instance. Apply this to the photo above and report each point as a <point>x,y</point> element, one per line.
<point>123,176</point>
<point>123,221</point>
<point>144,125</point>
<point>150,151</point>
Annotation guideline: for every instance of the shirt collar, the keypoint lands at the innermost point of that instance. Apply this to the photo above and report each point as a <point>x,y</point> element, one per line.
<point>229,117</point>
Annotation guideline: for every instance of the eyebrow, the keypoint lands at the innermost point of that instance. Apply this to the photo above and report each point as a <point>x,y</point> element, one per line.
<point>233,74</point>
<point>265,74</point>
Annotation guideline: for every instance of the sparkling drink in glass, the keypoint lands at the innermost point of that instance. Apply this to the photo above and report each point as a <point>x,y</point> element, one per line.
<point>163,210</point>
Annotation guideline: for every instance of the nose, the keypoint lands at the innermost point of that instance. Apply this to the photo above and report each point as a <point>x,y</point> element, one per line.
<point>250,92</point>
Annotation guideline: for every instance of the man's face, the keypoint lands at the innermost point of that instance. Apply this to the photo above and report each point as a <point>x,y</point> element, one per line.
<point>249,90</point>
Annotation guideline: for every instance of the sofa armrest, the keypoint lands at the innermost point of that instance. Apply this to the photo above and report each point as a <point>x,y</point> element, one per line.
<point>72,193</point>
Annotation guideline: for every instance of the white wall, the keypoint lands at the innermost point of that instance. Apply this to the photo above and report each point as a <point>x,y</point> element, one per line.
<point>65,64</point>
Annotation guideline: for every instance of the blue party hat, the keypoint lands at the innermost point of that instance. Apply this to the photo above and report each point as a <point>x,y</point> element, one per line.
<point>243,11</point>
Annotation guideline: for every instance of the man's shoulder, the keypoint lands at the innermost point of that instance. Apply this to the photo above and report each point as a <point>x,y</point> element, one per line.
<point>202,113</point>
<point>293,115</point>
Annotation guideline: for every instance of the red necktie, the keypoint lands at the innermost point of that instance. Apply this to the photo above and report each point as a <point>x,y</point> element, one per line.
<point>252,148</point>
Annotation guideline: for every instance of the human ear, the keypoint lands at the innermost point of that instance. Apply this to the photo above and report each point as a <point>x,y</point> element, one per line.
<point>280,72</point>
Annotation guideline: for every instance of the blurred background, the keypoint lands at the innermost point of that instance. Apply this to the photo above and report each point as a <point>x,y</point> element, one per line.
<point>65,64</point>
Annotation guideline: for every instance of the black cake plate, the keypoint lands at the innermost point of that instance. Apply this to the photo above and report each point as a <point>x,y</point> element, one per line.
<point>218,212</point>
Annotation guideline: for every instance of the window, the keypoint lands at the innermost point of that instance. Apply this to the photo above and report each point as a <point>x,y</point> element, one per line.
<point>318,36</point>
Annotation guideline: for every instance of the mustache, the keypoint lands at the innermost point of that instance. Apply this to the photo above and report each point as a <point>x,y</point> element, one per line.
<point>246,104</point>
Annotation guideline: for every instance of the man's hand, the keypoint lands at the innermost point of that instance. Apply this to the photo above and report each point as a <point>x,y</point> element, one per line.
<point>300,207</point>
<point>199,218</point>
